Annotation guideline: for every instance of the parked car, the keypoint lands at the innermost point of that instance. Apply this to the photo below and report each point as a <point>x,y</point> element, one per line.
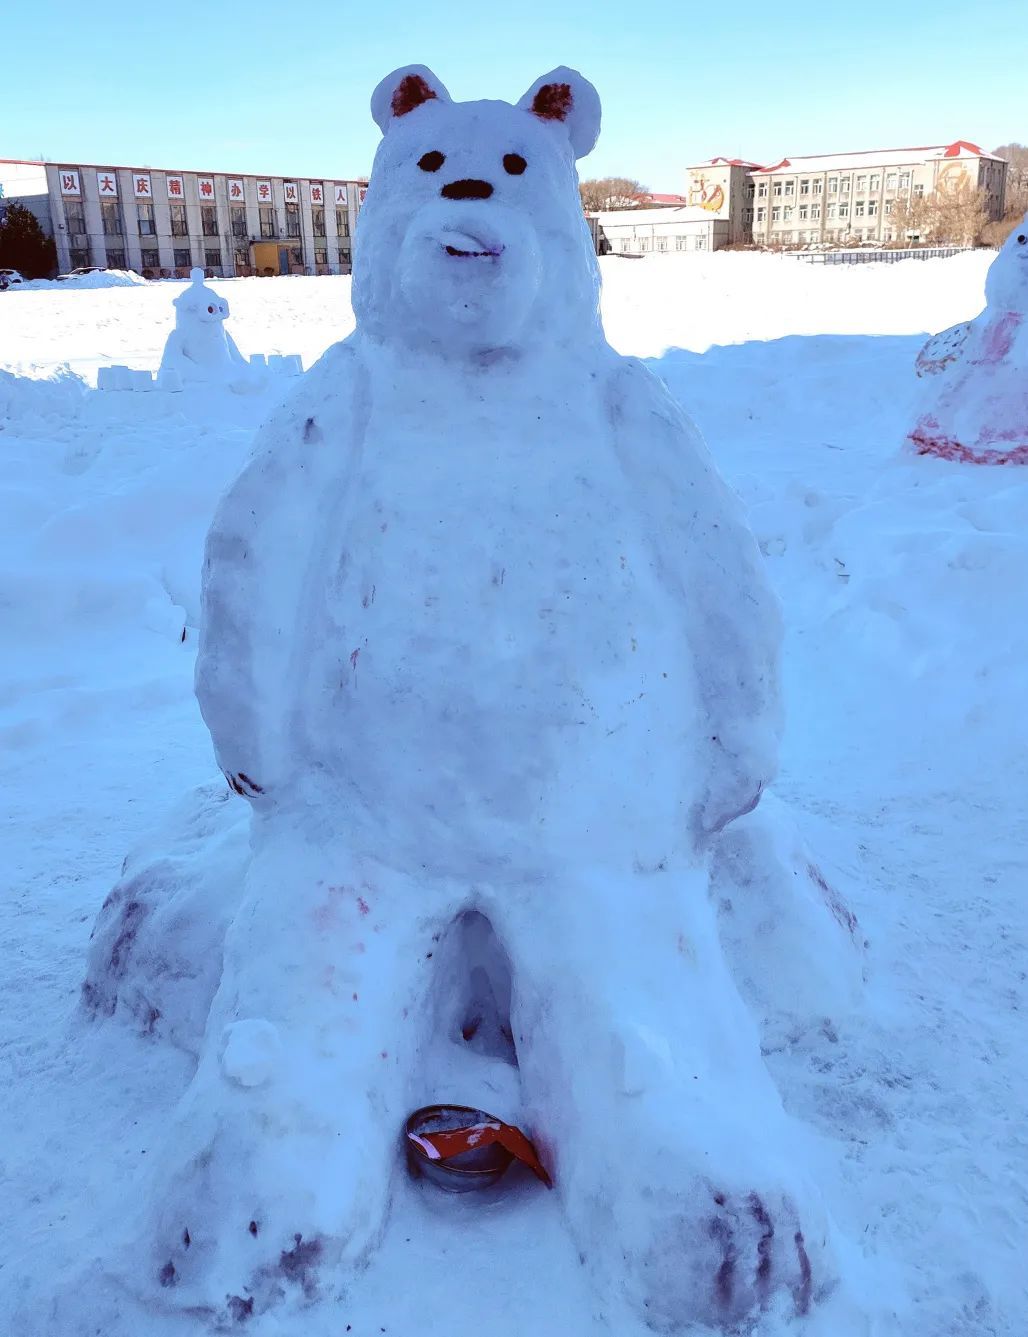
<point>82,269</point>
<point>9,277</point>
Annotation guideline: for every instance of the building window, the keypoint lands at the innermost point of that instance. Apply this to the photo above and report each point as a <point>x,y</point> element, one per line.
<point>787,213</point>
<point>776,190</point>
<point>151,260</point>
<point>237,215</point>
<point>890,181</point>
<point>75,217</point>
<point>179,222</point>
<point>805,187</point>
<point>776,213</point>
<point>79,258</point>
<point>874,182</point>
<point>318,222</point>
<point>889,206</point>
<point>844,184</point>
<point>292,220</point>
<point>786,238</point>
<point>321,256</point>
<point>749,191</point>
<point>242,259</point>
<point>267,221</point>
<point>761,215</point>
<point>296,258</point>
<point>342,223</point>
<point>110,213</point>
<point>844,211</point>
<point>209,220</point>
<point>832,210</point>
<point>661,243</point>
<point>904,180</point>
<point>762,191</point>
<point>818,186</point>
<point>858,209</point>
<point>701,242</point>
<point>147,226</point>
<point>872,208</point>
<point>183,259</point>
<point>790,187</point>
<point>115,259</point>
<point>833,185</point>
<point>861,183</point>
<point>679,243</point>
<point>344,253</point>
<point>918,192</point>
<point>803,211</point>
<point>212,259</point>
<point>815,211</point>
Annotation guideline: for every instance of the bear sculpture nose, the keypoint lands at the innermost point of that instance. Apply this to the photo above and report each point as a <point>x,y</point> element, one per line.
<point>466,190</point>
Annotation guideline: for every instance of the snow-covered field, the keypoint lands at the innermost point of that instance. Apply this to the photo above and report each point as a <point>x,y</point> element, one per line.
<point>903,585</point>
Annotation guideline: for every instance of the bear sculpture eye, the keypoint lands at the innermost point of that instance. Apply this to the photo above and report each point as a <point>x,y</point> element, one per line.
<point>211,310</point>
<point>1022,238</point>
<point>431,161</point>
<point>514,163</point>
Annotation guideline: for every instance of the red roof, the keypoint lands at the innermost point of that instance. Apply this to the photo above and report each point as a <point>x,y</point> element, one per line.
<point>961,146</point>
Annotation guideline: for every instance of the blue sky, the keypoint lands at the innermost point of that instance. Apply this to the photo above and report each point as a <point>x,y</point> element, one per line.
<point>224,85</point>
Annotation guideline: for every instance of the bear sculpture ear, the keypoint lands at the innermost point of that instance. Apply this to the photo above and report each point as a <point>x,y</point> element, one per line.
<point>404,91</point>
<point>564,97</point>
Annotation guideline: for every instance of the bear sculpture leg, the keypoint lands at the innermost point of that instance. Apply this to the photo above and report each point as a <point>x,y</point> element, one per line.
<point>643,1080</point>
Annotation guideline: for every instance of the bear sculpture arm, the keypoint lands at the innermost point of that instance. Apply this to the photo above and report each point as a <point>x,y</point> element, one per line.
<point>706,555</point>
<point>259,561</point>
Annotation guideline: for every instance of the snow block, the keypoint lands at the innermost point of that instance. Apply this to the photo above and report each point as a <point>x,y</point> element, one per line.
<point>114,378</point>
<point>974,405</point>
<point>490,655</point>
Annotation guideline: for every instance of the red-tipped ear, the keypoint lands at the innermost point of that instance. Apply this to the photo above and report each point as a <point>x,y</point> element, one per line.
<point>563,97</point>
<point>404,91</point>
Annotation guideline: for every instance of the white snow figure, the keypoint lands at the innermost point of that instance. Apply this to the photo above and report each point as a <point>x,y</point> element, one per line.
<point>975,402</point>
<point>489,651</point>
<point>199,348</point>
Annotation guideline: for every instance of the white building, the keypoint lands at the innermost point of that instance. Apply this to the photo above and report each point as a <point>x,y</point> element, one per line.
<point>658,231</point>
<point>162,223</point>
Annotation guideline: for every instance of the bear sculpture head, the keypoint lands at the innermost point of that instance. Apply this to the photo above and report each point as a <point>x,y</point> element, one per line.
<point>199,305</point>
<point>472,238</point>
<point>1006,283</point>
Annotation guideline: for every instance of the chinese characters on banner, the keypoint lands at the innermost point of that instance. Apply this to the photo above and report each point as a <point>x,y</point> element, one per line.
<point>70,183</point>
<point>292,195</point>
<point>235,191</point>
<point>106,185</point>
<point>317,193</point>
<point>141,186</point>
<point>264,192</point>
<point>362,191</point>
<point>205,189</point>
<point>176,192</point>
<point>341,197</point>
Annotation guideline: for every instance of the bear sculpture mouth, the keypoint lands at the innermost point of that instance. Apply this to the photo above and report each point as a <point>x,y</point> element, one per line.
<point>465,246</point>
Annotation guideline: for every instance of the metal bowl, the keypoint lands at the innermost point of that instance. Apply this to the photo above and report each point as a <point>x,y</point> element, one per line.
<point>478,1168</point>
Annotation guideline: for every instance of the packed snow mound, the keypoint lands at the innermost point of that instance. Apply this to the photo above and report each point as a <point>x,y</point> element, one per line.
<point>36,405</point>
<point>492,705</point>
<point>974,405</point>
<point>101,278</point>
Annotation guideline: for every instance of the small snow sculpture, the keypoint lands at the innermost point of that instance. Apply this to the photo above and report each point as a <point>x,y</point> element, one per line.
<point>199,348</point>
<point>489,652</point>
<point>975,402</point>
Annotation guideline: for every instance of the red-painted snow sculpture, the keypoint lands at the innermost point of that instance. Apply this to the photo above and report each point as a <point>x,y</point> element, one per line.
<point>489,654</point>
<point>974,407</point>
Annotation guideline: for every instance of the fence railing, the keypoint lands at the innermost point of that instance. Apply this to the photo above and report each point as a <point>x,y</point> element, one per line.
<point>872,256</point>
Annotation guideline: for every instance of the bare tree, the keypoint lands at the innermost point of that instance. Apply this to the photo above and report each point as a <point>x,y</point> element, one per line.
<point>955,216</point>
<point>1016,156</point>
<point>610,192</point>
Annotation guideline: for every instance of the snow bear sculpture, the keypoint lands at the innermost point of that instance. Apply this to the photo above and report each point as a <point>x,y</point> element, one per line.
<point>199,348</point>
<point>975,401</point>
<point>488,650</point>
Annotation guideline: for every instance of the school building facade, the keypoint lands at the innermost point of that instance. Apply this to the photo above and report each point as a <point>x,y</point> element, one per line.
<point>163,223</point>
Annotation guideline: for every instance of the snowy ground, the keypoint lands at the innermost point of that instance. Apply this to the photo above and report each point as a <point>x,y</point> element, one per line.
<point>904,594</point>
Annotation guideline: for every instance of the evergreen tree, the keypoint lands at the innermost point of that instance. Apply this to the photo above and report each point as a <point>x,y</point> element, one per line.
<point>23,244</point>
